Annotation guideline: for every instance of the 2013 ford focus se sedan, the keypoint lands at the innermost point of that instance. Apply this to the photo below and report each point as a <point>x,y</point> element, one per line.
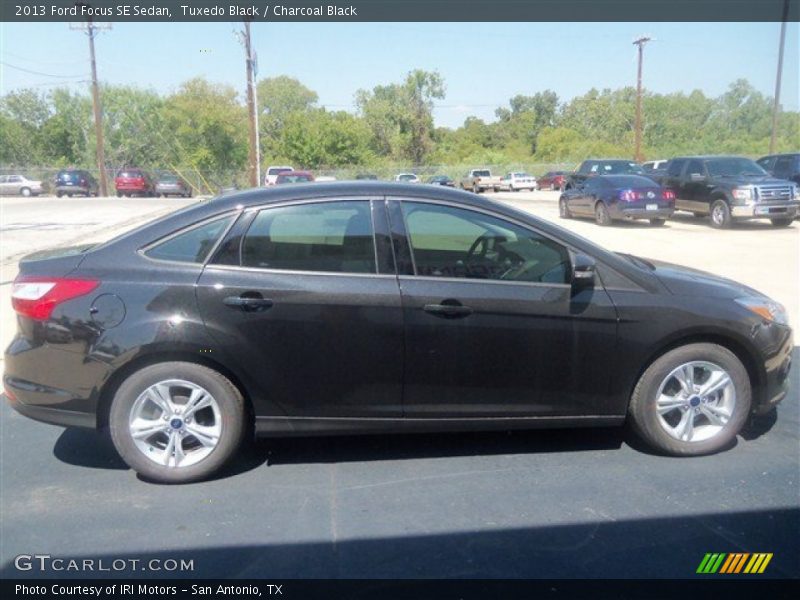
<point>379,307</point>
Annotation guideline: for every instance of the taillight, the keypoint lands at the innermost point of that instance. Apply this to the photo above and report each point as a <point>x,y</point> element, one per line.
<point>668,195</point>
<point>630,195</point>
<point>37,297</point>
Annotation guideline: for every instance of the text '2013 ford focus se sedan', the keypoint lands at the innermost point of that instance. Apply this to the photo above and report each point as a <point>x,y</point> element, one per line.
<point>379,307</point>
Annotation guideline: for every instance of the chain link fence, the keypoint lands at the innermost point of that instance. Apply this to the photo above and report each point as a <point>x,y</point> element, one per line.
<point>211,183</point>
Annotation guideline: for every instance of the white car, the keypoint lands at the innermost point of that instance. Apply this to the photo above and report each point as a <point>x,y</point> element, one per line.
<point>19,185</point>
<point>406,178</point>
<point>272,173</point>
<point>513,182</point>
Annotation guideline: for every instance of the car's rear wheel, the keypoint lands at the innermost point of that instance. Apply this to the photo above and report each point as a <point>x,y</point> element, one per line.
<point>25,192</point>
<point>563,209</point>
<point>692,400</point>
<point>119,194</point>
<point>785,222</point>
<point>720,215</point>
<point>59,194</point>
<point>601,214</point>
<point>177,422</point>
<point>657,222</point>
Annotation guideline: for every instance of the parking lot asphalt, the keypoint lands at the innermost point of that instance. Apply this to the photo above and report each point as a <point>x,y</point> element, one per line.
<point>565,503</point>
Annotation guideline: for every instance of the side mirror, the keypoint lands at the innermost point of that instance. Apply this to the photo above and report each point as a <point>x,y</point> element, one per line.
<point>583,268</point>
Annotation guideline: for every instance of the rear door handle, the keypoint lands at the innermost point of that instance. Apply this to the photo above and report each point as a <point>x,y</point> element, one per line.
<point>248,303</point>
<point>448,310</point>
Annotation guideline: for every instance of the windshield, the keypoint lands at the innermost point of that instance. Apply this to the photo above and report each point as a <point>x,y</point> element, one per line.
<point>278,170</point>
<point>734,167</point>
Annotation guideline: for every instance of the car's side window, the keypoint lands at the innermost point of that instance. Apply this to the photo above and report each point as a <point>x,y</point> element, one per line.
<point>695,168</point>
<point>675,168</point>
<point>192,245</point>
<point>447,241</point>
<point>783,166</point>
<point>766,163</point>
<point>334,237</point>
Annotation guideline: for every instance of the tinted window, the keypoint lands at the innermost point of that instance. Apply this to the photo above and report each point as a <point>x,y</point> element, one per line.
<point>695,168</point>
<point>190,246</point>
<point>278,170</point>
<point>326,236</point>
<point>454,242</point>
<point>783,165</point>
<point>675,167</point>
<point>718,167</point>
<point>14,179</point>
<point>766,162</point>
<point>482,173</point>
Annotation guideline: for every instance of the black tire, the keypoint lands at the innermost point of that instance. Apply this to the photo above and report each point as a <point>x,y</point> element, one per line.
<point>69,195</point>
<point>784,222</point>
<point>159,195</point>
<point>720,215</point>
<point>26,192</point>
<point>657,222</point>
<point>601,215</point>
<point>231,407</point>
<point>563,209</point>
<point>59,194</point>
<point>119,194</point>
<point>644,416</point>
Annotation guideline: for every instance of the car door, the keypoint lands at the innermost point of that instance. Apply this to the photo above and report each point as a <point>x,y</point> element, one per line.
<point>492,327</point>
<point>297,298</point>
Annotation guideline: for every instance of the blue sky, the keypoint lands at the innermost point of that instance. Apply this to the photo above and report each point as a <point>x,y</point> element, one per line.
<point>483,64</point>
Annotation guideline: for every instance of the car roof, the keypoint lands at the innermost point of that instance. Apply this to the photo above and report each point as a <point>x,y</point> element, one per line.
<point>709,156</point>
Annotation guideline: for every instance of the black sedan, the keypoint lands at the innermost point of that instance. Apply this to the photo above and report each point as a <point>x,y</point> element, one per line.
<point>442,180</point>
<point>618,197</point>
<point>379,307</point>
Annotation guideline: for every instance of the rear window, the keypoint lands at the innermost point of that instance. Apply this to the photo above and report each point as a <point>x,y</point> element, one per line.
<point>278,170</point>
<point>286,178</point>
<point>69,175</point>
<point>482,173</point>
<point>192,245</point>
<point>130,174</point>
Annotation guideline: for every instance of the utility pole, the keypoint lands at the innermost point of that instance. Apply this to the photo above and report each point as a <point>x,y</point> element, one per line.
<point>254,161</point>
<point>637,153</point>
<point>91,28</point>
<point>776,106</point>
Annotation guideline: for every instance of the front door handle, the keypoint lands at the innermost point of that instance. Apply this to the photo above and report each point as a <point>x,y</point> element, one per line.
<point>448,310</point>
<point>248,303</point>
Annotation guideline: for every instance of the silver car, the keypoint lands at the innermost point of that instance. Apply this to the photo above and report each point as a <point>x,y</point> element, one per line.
<point>19,185</point>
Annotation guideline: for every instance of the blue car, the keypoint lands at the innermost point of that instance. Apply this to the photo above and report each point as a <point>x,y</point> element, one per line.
<point>618,197</point>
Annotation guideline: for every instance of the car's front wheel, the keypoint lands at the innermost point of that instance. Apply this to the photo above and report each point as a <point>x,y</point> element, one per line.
<point>177,422</point>
<point>692,400</point>
<point>563,209</point>
<point>782,222</point>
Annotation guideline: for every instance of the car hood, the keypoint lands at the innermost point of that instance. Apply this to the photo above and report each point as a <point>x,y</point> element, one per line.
<point>685,281</point>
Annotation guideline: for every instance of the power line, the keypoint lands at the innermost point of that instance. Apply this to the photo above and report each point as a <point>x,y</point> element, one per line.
<point>32,72</point>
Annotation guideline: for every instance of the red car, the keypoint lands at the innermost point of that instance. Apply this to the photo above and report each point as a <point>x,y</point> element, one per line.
<point>134,181</point>
<point>552,180</point>
<point>294,177</point>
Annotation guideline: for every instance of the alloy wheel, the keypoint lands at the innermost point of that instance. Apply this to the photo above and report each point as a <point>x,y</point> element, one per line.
<point>695,401</point>
<point>175,423</point>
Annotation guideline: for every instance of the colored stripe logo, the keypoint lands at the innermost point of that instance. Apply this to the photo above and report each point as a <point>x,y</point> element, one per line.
<point>734,563</point>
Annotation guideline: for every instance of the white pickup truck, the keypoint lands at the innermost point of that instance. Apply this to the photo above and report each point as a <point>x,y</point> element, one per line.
<point>480,180</point>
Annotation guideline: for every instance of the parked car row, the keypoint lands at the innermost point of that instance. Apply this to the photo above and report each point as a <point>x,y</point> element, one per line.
<point>726,189</point>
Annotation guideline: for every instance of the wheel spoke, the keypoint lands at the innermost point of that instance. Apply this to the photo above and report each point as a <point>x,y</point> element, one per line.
<point>717,381</point>
<point>715,414</point>
<point>685,428</point>
<point>208,436</point>
<point>685,376</point>
<point>141,429</point>
<point>178,450</point>
<point>159,395</point>
<point>667,403</point>
<point>197,401</point>
<point>169,451</point>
